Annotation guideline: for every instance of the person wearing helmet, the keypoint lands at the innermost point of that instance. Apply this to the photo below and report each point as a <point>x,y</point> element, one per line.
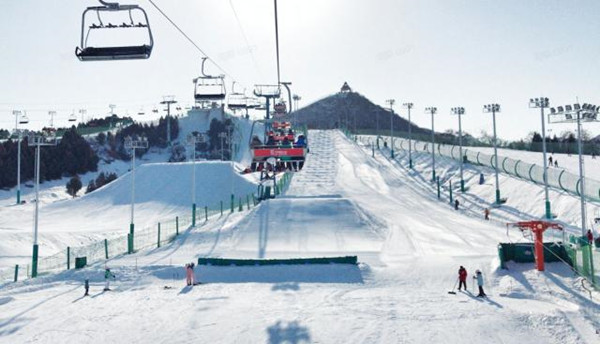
<point>479,278</point>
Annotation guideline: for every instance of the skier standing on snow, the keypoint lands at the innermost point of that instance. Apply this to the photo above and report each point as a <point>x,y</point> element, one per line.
<point>462,278</point>
<point>107,276</point>
<point>86,285</point>
<point>188,274</point>
<point>479,278</point>
<point>192,279</point>
<point>590,236</point>
<point>486,213</point>
<point>456,203</point>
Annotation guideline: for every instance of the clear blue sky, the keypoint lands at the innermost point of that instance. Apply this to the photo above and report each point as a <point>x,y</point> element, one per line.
<point>441,53</point>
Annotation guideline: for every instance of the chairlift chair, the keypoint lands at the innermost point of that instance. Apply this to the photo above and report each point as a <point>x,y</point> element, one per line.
<point>155,110</point>
<point>141,112</point>
<point>72,118</point>
<point>87,52</point>
<point>209,88</point>
<point>236,100</point>
<point>23,119</point>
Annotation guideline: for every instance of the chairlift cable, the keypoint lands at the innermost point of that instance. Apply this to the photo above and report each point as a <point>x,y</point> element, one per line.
<point>189,39</point>
<point>277,43</point>
<point>245,38</point>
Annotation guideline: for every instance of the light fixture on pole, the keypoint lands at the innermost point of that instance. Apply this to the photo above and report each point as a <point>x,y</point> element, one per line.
<point>409,106</point>
<point>20,118</point>
<point>391,104</point>
<point>168,100</point>
<point>576,114</point>
<point>543,103</point>
<point>82,112</point>
<point>493,108</point>
<point>133,144</point>
<point>191,141</point>
<point>432,111</point>
<point>46,138</point>
<point>52,114</point>
<point>459,112</point>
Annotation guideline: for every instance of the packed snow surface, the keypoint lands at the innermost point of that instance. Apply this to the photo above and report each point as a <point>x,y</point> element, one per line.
<point>344,202</point>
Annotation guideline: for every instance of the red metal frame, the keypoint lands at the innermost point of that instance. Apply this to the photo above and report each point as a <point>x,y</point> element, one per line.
<point>538,228</point>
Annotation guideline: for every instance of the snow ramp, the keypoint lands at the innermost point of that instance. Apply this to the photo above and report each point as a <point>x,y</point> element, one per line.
<point>289,228</point>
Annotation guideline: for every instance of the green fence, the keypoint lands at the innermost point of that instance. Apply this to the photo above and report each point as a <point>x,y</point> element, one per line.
<point>558,178</point>
<point>284,261</point>
<point>145,238</point>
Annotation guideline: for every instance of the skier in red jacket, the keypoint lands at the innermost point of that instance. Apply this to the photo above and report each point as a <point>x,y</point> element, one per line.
<point>462,278</point>
<point>590,236</point>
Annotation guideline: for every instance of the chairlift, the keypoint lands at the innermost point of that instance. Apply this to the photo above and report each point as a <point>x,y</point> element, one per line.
<point>155,110</point>
<point>23,119</point>
<point>72,117</point>
<point>267,91</point>
<point>208,87</point>
<point>141,112</point>
<point>87,52</point>
<point>237,100</point>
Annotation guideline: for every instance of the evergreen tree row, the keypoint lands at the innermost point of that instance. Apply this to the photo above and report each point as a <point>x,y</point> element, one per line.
<point>71,156</point>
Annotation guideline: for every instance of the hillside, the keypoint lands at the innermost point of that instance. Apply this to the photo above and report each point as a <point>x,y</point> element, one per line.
<point>352,110</point>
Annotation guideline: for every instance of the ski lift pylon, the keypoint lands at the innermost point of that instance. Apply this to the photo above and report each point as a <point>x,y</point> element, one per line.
<point>86,52</point>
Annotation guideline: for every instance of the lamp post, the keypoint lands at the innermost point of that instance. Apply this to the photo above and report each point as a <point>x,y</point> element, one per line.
<point>82,112</point>
<point>222,136</point>
<point>409,106</point>
<point>46,138</point>
<point>51,114</point>
<point>459,111</point>
<point>585,113</point>
<point>493,108</point>
<point>191,141</point>
<point>543,103</point>
<point>432,111</point>
<point>133,144</point>
<point>391,104</point>
<point>19,119</point>
<point>168,100</point>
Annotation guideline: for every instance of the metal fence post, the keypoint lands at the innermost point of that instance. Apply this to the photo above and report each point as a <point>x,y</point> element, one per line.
<point>240,206</point>
<point>68,258</point>
<point>206,213</point>
<point>450,190</point>
<point>221,208</point>
<point>438,187</point>
<point>176,225</point>
<point>232,202</point>
<point>158,243</point>
<point>248,201</point>
<point>16,272</point>
<point>106,248</point>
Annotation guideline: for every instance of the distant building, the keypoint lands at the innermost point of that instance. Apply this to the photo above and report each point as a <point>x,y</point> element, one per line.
<point>345,88</point>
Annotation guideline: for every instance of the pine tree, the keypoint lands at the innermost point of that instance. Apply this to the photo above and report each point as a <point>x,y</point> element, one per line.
<point>73,186</point>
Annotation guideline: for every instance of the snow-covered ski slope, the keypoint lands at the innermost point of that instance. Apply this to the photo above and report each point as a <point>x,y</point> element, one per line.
<point>343,202</point>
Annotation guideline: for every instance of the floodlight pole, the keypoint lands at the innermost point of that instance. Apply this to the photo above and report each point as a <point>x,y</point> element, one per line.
<point>409,106</point>
<point>133,145</point>
<point>17,114</point>
<point>493,108</point>
<point>38,141</point>
<point>543,103</point>
<point>168,100</point>
<point>432,111</point>
<point>192,142</point>
<point>459,111</point>
<point>391,103</point>
<point>581,175</point>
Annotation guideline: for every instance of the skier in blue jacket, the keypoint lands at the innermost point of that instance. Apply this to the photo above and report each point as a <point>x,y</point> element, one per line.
<point>107,276</point>
<point>479,278</point>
